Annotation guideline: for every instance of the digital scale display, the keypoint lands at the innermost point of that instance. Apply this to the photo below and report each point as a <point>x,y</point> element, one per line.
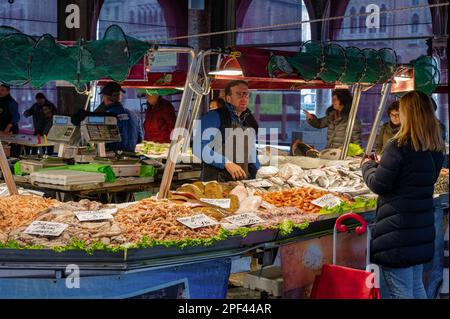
<point>96,120</point>
<point>63,131</point>
<point>61,120</point>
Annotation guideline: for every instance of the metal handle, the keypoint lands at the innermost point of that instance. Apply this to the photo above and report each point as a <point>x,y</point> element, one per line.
<point>339,227</point>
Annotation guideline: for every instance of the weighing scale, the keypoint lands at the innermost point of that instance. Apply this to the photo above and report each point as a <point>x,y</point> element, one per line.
<point>100,130</point>
<point>64,133</point>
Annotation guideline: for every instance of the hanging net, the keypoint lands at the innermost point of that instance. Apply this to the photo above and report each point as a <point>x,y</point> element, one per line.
<point>308,61</point>
<point>389,59</point>
<point>15,50</point>
<point>356,65</point>
<point>334,63</point>
<point>44,60</point>
<point>374,67</point>
<point>426,74</point>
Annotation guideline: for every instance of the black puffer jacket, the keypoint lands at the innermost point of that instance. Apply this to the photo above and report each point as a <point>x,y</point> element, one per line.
<point>404,230</point>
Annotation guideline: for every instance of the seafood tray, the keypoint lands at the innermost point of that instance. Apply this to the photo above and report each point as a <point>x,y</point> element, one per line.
<point>66,177</point>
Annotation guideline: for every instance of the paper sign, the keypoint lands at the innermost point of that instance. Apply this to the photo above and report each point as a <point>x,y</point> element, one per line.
<point>259,183</point>
<point>327,200</point>
<point>4,191</point>
<point>341,189</point>
<point>89,215</point>
<point>224,203</point>
<point>45,228</point>
<point>197,221</point>
<point>245,219</point>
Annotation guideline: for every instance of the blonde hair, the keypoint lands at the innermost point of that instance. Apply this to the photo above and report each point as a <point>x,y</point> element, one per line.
<point>419,124</point>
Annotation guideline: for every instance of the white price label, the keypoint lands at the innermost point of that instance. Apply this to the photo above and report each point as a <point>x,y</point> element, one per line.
<point>224,203</point>
<point>245,219</point>
<point>4,191</point>
<point>89,215</point>
<point>45,228</point>
<point>327,200</point>
<point>342,189</point>
<point>259,183</point>
<point>197,221</point>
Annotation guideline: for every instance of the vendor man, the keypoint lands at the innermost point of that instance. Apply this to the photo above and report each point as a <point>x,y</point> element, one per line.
<point>227,155</point>
<point>130,132</point>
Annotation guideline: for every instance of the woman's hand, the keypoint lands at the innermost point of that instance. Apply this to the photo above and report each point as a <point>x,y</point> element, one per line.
<point>309,116</point>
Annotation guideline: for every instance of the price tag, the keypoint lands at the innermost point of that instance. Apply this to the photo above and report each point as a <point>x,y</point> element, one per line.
<point>4,191</point>
<point>45,228</point>
<point>327,200</point>
<point>342,190</point>
<point>224,203</point>
<point>197,221</point>
<point>259,183</point>
<point>245,219</point>
<point>90,215</point>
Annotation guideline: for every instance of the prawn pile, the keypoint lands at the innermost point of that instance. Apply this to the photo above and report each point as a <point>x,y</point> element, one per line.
<point>158,220</point>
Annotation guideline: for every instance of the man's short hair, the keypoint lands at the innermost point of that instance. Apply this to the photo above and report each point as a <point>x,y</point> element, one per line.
<point>40,95</point>
<point>233,84</point>
<point>6,86</point>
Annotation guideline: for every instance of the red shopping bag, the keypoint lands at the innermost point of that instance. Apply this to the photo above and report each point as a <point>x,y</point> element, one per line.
<point>338,282</point>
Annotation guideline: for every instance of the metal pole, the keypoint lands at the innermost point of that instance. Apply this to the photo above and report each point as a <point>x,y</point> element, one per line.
<point>385,90</point>
<point>351,119</point>
<point>176,142</point>
<point>194,115</point>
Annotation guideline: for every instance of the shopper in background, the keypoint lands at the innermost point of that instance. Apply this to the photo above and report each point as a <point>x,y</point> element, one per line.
<point>226,164</point>
<point>160,119</point>
<point>403,236</point>
<point>36,111</point>
<point>9,112</point>
<point>216,103</point>
<point>46,120</point>
<point>441,125</point>
<point>390,128</point>
<point>336,120</point>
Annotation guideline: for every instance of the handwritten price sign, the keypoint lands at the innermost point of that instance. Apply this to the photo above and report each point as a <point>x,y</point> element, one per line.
<point>197,221</point>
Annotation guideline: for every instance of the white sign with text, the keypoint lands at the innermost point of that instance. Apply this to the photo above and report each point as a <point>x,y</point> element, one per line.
<point>45,228</point>
<point>197,221</point>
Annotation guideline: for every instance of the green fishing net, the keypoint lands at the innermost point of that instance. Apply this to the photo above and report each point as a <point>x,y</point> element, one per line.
<point>26,60</point>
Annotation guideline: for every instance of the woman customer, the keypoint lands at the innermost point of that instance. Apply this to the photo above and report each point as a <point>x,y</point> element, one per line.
<point>390,128</point>
<point>403,236</point>
<point>336,120</point>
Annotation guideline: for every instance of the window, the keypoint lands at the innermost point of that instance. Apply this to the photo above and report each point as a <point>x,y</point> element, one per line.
<point>362,20</point>
<point>116,13</point>
<point>33,18</point>
<point>268,12</point>
<point>415,2</point>
<point>383,19</point>
<point>281,109</point>
<point>353,20</point>
<point>135,19</point>
<point>396,30</point>
<point>415,23</point>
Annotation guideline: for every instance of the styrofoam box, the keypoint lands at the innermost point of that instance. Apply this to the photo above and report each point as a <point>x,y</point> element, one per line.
<point>270,279</point>
<point>66,177</point>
